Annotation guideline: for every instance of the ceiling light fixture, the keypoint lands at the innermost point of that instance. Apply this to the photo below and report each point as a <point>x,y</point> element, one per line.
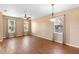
<point>52,19</point>
<point>26,18</point>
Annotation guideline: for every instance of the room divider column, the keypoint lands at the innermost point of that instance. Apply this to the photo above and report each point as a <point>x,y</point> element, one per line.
<point>1,27</point>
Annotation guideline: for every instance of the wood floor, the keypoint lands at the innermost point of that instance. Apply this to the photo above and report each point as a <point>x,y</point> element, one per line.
<point>34,45</point>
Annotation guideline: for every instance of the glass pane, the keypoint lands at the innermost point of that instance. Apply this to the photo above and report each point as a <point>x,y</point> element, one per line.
<point>26,27</point>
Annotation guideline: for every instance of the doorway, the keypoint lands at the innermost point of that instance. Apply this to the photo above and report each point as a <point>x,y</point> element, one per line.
<point>26,27</point>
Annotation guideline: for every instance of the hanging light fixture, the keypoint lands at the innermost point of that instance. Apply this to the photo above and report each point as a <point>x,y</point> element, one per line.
<point>52,19</point>
<point>25,17</point>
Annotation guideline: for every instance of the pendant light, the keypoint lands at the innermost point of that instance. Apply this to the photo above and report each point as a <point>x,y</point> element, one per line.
<point>52,19</point>
<point>25,16</point>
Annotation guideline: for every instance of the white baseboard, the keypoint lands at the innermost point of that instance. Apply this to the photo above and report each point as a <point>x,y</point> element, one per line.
<point>42,37</point>
<point>69,44</point>
<point>72,45</point>
<point>3,37</point>
<point>58,41</point>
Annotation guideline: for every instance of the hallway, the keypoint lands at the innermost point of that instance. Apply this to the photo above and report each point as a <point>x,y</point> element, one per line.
<point>34,45</point>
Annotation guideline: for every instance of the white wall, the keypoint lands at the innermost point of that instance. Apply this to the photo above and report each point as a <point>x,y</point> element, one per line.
<point>42,27</point>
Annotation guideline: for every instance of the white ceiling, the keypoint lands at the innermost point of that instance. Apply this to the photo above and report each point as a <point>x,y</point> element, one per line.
<point>33,10</point>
